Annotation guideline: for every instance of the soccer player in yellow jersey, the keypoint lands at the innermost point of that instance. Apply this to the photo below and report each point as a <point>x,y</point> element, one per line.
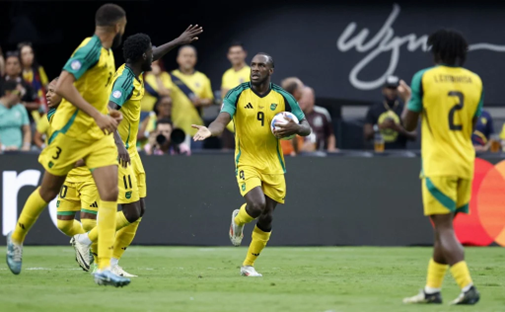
<point>126,95</point>
<point>82,128</point>
<point>449,99</point>
<point>259,161</point>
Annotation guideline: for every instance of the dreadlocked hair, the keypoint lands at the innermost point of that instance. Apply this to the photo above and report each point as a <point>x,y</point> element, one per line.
<point>448,47</point>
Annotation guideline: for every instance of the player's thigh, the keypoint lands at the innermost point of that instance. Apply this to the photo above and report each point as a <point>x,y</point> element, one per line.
<point>68,202</point>
<point>274,186</point>
<point>140,175</point>
<point>128,191</point>
<point>90,199</point>
<point>464,195</point>
<point>248,178</point>
<point>60,156</point>
<point>439,195</point>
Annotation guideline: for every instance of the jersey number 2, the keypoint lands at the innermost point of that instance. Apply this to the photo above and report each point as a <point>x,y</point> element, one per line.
<point>455,108</point>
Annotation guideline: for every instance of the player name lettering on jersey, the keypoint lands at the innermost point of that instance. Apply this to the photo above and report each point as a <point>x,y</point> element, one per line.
<point>452,79</point>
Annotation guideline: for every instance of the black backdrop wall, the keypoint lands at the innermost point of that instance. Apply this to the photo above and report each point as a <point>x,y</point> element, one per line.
<point>308,40</point>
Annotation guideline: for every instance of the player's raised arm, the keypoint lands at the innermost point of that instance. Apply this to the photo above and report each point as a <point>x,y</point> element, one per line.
<point>188,36</point>
<point>214,129</point>
<point>413,103</point>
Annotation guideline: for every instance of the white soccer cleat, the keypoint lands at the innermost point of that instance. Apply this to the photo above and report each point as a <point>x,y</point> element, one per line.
<point>116,269</point>
<point>83,255</point>
<point>236,231</point>
<point>249,271</point>
<point>423,297</point>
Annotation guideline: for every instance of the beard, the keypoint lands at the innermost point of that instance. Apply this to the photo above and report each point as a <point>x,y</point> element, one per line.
<point>116,42</point>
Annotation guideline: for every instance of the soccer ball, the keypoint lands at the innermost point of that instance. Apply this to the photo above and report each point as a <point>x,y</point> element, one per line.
<point>280,118</point>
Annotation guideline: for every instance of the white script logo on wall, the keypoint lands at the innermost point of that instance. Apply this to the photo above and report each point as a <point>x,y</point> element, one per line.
<point>385,41</point>
<point>11,184</point>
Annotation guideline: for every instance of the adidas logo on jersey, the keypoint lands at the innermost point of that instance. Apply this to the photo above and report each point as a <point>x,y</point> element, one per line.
<point>94,205</point>
<point>249,105</point>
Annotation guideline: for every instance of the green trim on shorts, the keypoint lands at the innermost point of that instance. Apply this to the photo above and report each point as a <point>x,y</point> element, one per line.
<point>441,197</point>
<point>66,213</point>
<point>89,211</point>
<point>463,209</point>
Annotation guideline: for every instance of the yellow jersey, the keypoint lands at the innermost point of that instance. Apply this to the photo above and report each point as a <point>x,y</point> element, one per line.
<point>232,78</point>
<point>93,67</point>
<point>448,98</point>
<point>184,113</point>
<point>151,95</point>
<point>255,145</point>
<point>127,92</point>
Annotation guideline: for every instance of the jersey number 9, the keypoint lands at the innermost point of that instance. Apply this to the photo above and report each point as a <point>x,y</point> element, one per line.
<point>261,117</point>
<point>455,108</point>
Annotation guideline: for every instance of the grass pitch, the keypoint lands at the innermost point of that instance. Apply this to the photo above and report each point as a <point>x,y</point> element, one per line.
<point>207,279</point>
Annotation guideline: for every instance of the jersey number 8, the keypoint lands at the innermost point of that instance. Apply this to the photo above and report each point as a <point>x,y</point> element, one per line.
<point>455,108</point>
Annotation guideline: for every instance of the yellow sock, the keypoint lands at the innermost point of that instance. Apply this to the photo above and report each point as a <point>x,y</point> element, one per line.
<point>436,273</point>
<point>70,227</point>
<point>243,217</point>
<point>259,241</point>
<point>33,208</point>
<point>88,225</point>
<point>461,274</point>
<point>106,229</point>
<point>124,238</point>
<point>121,222</point>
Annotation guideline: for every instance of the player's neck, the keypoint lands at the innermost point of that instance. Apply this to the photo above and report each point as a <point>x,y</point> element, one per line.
<point>261,88</point>
<point>137,70</point>
<point>189,71</point>
<point>105,37</point>
<point>238,67</point>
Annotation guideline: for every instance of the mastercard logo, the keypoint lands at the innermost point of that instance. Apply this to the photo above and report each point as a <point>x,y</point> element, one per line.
<point>486,222</point>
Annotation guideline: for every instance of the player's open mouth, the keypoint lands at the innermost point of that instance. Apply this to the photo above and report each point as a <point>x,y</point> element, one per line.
<point>255,76</point>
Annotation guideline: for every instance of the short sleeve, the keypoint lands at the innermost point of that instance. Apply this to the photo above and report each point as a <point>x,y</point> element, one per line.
<point>24,115</point>
<point>122,89</point>
<point>85,57</point>
<point>230,101</point>
<point>478,112</point>
<point>416,100</point>
<point>291,104</point>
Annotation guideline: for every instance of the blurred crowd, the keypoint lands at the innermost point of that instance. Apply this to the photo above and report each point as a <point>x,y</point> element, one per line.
<point>174,100</point>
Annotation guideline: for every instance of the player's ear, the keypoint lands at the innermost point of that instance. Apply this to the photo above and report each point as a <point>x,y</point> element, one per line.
<point>144,56</point>
<point>271,71</point>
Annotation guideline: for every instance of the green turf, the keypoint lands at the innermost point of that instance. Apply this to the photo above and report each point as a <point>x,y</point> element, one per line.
<point>207,279</point>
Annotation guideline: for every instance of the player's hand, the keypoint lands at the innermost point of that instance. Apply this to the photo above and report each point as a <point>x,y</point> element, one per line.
<point>286,130</point>
<point>190,34</point>
<point>116,115</point>
<point>123,155</point>
<point>202,134</point>
<point>106,123</point>
<point>404,91</point>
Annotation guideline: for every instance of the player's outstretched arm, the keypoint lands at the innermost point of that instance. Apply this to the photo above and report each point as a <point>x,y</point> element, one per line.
<point>214,129</point>
<point>66,89</point>
<point>412,110</point>
<point>188,36</point>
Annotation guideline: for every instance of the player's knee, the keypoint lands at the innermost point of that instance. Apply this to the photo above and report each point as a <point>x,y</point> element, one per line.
<point>265,220</point>
<point>256,208</point>
<point>65,226</point>
<point>48,194</point>
<point>88,224</point>
<point>110,194</point>
<point>132,212</point>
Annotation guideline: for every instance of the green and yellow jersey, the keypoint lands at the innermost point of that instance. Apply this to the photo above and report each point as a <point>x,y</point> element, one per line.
<point>127,92</point>
<point>256,146</point>
<point>448,98</point>
<point>93,67</point>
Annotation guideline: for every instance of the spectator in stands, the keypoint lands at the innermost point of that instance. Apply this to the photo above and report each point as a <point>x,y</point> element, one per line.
<point>2,64</point>
<point>294,86</point>
<point>483,131</point>
<point>33,73</point>
<point>160,141</point>
<point>15,133</point>
<point>319,119</point>
<point>384,117</point>
<point>162,110</point>
<point>190,94</point>
<point>13,73</point>
<point>157,84</point>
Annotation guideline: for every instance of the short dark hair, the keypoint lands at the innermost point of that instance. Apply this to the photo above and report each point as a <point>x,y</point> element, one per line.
<point>108,14</point>
<point>187,46</point>
<point>236,44</point>
<point>9,85</point>
<point>448,46</point>
<point>15,54</point>
<point>269,57</point>
<point>164,121</point>
<point>135,46</point>
<point>291,87</point>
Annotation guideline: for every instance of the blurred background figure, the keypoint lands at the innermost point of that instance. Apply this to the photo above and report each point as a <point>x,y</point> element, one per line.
<point>239,73</point>
<point>157,84</point>
<point>481,137</point>
<point>33,73</point>
<point>190,94</point>
<point>42,130</point>
<point>15,133</point>
<point>384,118</point>
<point>13,73</point>
<point>294,86</point>
<point>162,110</point>
<point>2,63</point>
<point>162,140</point>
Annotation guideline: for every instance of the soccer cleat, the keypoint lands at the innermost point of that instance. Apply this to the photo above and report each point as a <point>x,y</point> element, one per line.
<point>250,271</point>
<point>471,296</point>
<point>83,255</point>
<point>116,269</point>
<point>236,231</point>
<point>93,268</point>
<point>423,297</point>
<point>14,255</point>
<point>107,278</point>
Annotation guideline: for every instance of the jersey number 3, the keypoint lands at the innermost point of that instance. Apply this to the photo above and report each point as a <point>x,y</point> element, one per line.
<point>455,108</point>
